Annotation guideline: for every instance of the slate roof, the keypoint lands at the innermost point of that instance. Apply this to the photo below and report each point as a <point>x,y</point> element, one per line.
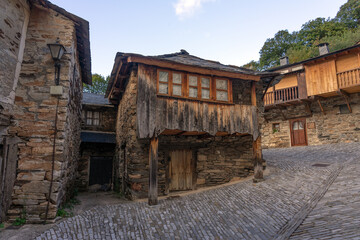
<point>94,99</point>
<point>184,57</point>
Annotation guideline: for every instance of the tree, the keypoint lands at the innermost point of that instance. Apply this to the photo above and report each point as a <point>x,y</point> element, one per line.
<point>275,48</point>
<point>318,29</point>
<point>253,65</point>
<point>99,84</point>
<point>349,13</point>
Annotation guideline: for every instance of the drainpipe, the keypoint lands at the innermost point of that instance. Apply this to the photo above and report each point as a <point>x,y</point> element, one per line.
<point>52,161</point>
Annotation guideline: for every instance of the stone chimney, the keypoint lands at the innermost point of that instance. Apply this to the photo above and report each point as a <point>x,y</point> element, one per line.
<point>284,61</point>
<point>323,48</point>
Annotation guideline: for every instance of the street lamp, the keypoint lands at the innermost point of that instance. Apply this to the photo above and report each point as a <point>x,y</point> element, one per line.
<point>57,50</point>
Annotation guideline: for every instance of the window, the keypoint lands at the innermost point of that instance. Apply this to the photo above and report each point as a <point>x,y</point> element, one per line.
<point>163,82</point>
<point>92,118</point>
<point>176,84</point>
<point>193,86</point>
<point>205,88</point>
<point>187,85</point>
<point>221,90</point>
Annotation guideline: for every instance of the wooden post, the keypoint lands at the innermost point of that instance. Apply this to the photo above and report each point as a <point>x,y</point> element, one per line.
<point>153,166</point>
<point>258,168</point>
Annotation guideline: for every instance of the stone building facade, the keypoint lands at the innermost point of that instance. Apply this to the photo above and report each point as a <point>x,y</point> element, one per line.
<point>37,115</point>
<point>328,110</point>
<point>97,143</point>
<point>209,158</point>
<point>337,125</point>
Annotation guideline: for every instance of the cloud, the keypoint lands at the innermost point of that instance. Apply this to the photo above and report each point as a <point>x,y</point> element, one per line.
<point>187,8</point>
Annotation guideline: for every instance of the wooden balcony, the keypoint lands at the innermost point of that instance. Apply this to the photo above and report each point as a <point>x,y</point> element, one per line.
<point>348,79</point>
<point>281,96</point>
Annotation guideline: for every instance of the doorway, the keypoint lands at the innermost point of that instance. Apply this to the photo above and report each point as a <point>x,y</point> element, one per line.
<point>100,170</point>
<point>181,168</point>
<point>298,132</point>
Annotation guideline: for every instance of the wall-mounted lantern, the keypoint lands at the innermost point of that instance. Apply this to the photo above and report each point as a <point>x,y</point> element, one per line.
<point>57,50</point>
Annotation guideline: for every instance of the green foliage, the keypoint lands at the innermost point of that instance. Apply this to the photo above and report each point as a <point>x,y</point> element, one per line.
<point>2,225</point>
<point>61,212</point>
<point>99,84</point>
<point>67,208</point>
<point>349,13</point>
<point>276,47</point>
<point>19,221</point>
<point>340,32</point>
<point>253,65</point>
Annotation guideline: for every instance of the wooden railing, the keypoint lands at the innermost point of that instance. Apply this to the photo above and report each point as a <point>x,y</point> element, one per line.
<point>348,78</point>
<point>281,96</point>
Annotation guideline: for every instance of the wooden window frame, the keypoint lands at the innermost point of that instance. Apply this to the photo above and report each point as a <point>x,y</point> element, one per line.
<point>92,118</point>
<point>185,86</point>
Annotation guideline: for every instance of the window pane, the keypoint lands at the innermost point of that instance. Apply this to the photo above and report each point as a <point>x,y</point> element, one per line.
<point>221,96</point>
<point>88,114</point>
<point>205,93</point>
<point>163,88</point>
<point>163,76</point>
<point>89,121</point>
<point>221,84</point>
<point>296,126</point>
<point>177,90</point>
<point>193,81</point>
<point>205,82</point>
<point>96,115</point>
<point>301,125</point>
<point>193,92</point>
<point>96,122</point>
<point>177,78</point>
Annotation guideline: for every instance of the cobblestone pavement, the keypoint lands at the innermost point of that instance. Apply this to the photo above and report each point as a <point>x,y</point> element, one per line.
<point>267,210</point>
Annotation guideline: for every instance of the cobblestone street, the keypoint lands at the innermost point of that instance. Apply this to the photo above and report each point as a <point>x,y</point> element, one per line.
<point>325,195</point>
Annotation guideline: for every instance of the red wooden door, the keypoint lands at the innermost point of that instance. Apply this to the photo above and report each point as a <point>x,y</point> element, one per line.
<point>298,132</point>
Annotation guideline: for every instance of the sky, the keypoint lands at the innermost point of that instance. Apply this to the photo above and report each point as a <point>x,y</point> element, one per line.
<point>228,31</point>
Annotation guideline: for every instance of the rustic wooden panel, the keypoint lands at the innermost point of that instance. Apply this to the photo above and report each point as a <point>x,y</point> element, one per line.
<point>181,172</point>
<point>321,78</point>
<point>347,62</point>
<point>286,82</point>
<point>155,114</point>
<point>301,82</point>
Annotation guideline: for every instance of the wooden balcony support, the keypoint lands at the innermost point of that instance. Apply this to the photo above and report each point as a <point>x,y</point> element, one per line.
<point>346,97</point>
<point>321,107</point>
<point>153,170</point>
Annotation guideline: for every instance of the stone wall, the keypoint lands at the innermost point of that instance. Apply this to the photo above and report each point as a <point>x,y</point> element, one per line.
<point>34,115</point>
<point>14,18</point>
<point>331,127</point>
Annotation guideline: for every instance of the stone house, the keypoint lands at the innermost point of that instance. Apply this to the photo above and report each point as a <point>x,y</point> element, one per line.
<point>97,148</point>
<point>184,122</point>
<point>316,102</point>
<point>39,119</point>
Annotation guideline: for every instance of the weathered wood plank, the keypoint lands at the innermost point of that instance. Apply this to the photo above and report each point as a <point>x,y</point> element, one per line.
<point>156,113</point>
<point>153,169</point>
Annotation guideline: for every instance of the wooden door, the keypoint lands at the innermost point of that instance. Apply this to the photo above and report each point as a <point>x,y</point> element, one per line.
<point>100,170</point>
<point>180,170</point>
<point>298,132</point>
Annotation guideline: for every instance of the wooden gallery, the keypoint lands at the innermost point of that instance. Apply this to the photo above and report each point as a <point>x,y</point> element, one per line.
<point>316,102</point>
<point>184,122</point>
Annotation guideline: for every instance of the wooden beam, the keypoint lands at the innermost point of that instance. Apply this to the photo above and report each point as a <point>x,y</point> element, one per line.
<point>257,153</point>
<point>188,68</point>
<point>321,107</point>
<point>346,97</point>
<point>308,108</point>
<point>153,167</point>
